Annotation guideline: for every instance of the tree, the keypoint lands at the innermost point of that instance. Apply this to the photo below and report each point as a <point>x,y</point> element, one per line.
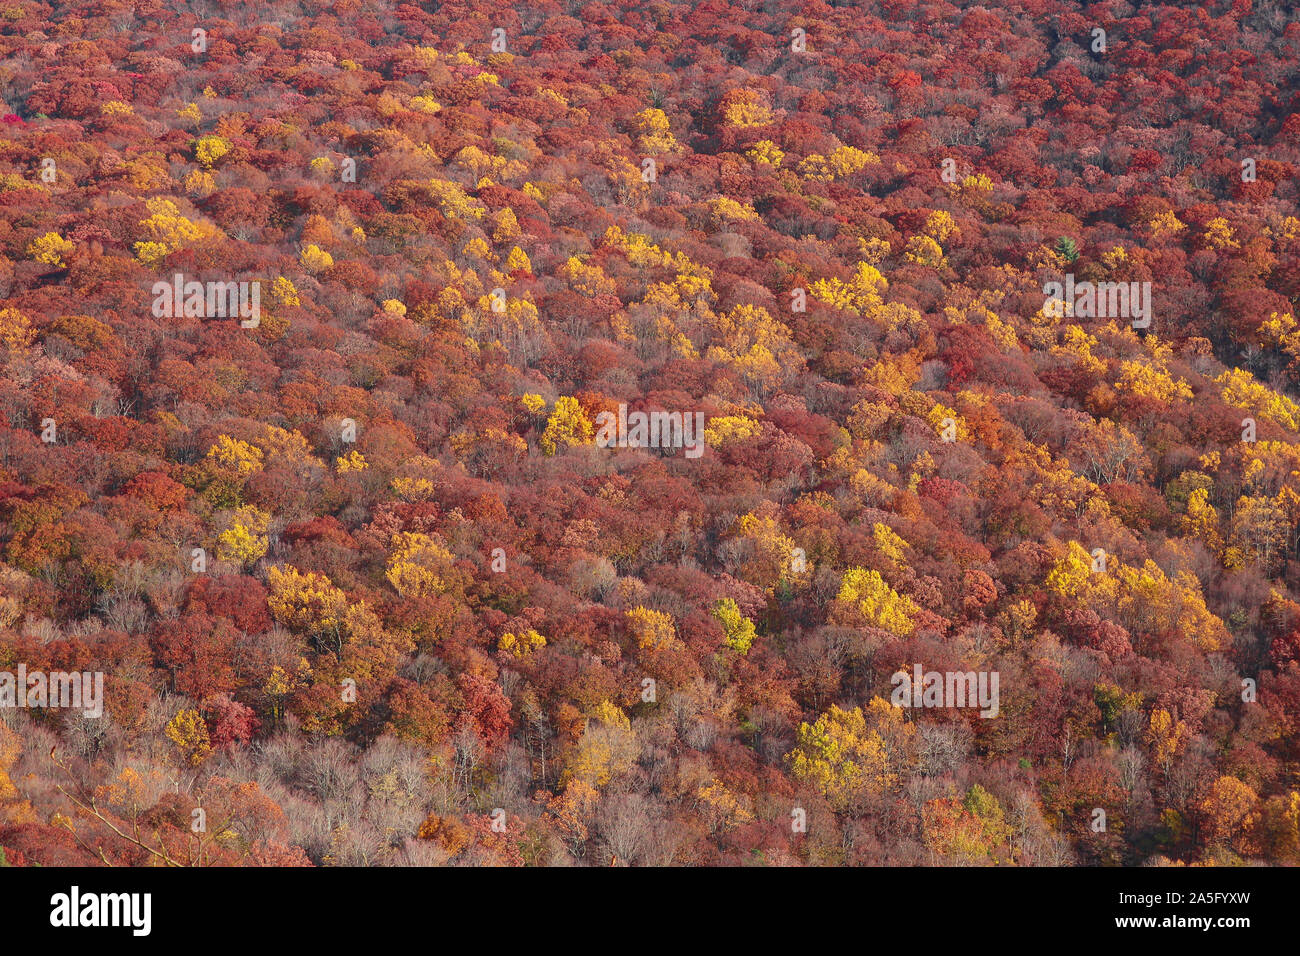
<point>738,630</point>
<point>50,249</point>
<point>200,653</point>
<point>521,645</point>
<point>1226,808</point>
<point>843,754</point>
<point>189,733</point>
<point>865,594</point>
<point>568,425</point>
<point>652,130</point>
<point>245,540</point>
<point>1165,736</point>
<point>308,602</point>
<point>1067,249</point>
<point>419,566</point>
<point>651,630</point>
<point>970,832</point>
<point>606,749</point>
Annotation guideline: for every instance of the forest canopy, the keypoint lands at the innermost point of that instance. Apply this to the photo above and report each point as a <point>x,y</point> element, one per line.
<point>470,435</point>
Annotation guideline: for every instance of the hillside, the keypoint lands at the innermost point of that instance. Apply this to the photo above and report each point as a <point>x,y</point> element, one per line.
<point>565,434</point>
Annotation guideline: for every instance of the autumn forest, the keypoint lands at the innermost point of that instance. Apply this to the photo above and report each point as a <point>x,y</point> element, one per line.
<point>670,433</point>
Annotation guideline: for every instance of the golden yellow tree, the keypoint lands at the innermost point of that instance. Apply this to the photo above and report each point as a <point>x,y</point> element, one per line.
<point>890,545</point>
<point>606,749</point>
<point>1165,736</point>
<point>1227,808</point>
<point>16,331</point>
<point>245,540</point>
<point>738,630</point>
<point>841,757</point>
<point>419,566</point>
<point>745,108</point>
<point>210,149</point>
<point>50,249</point>
<point>237,455</point>
<point>653,132</point>
<point>1201,521</point>
<point>867,594</point>
<point>315,259</point>
<point>1071,576</point>
<point>765,153</point>
<point>309,603</point>
<point>521,645</point>
<point>568,425</point>
<point>188,732</point>
<point>167,230</point>
<point>653,630</point>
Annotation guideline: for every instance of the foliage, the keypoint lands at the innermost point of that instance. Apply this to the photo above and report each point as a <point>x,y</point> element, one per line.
<point>362,561</point>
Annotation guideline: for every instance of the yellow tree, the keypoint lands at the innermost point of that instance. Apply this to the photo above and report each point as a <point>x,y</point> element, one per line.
<point>419,565</point>
<point>765,153</point>
<point>1226,808</point>
<point>1165,736</point>
<point>167,231</point>
<point>50,249</point>
<point>606,749</point>
<point>755,344</point>
<point>889,544</point>
<point>939,225</point>
<point>841,757</point>
<point>725,429</point>
<point>351,463</point>
<point>14,808</point>
<point>210,149</point>
<point>737,629</point>
<point>1151,381</point>
<point>308,603</point>
<point>769,557</point>
<point>245,540</point>
<point>16,331</point>
<point>571,811</point>
<point>862,293</point>
<point>925,251</point>
<point>1201,521</point>
<point>568,425</point>
<point>866,594</point>
<point>1239,389</point>
<point>1260,530</point>
<point>723,809</point>
<point>1071,576</point>
<point>521,645</point>
<point>652,630</point>
<point>1278,828</point>
<point>518,259</point>
<point>284,293</point>
<point>505,226</point>
<point>652,131</point>
<point>590,280</point>
<point>372,652</point>
<point>188,732</point>
<point>225,469</point>
<point>315,259</point>
<point>840,162</point>
<point>237,455</point>
<point>745,108</point>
